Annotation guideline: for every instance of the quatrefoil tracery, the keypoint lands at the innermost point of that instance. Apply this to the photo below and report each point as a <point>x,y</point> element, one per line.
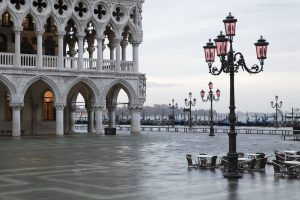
<point>81,9</point>
<point>40,5</point>
<point>18,3</point>
<point>60,6</point>
<point>118,14</point>
<point>100,11</point>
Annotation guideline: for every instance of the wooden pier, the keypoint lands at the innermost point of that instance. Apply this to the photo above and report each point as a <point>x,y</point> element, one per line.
<point>286,134</point>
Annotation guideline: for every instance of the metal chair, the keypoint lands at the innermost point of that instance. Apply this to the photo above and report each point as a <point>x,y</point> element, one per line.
<point>279,169</point>
<point>191,163</point>
<point>213,163</point>
<point>252,165</point>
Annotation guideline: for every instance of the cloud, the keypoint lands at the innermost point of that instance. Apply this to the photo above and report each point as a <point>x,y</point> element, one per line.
<point>162,85</point>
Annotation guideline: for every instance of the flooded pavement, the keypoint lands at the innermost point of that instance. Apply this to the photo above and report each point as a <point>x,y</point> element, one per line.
<point>150,166</point>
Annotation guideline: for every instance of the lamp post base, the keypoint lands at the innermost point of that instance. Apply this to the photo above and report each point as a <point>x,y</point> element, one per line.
<point>212,132</point>
<point>232,175</point>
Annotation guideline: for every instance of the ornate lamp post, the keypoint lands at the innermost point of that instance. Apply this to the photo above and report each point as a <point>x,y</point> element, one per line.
<point>173,107</point>
<point>211,97</point>
<point>231,61</point>
<point>276,106</point>
<point>190,103</point>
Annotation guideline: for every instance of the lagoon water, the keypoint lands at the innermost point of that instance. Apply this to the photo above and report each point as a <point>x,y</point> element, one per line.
<point>147,166</point>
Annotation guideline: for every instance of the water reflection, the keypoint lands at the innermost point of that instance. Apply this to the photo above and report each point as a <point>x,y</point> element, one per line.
<point>232,189</point>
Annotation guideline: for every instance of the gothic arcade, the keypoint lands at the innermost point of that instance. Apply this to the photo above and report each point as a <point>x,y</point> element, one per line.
<point>52,50</point>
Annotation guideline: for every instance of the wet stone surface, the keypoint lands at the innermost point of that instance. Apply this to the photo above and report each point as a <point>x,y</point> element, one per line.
<point>147,166</point>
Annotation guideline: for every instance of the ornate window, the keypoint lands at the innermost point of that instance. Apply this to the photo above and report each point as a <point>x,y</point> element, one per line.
<point>28,23</point>
<point>48,109</point>
<point>8,110</point>
<point>6,19</point>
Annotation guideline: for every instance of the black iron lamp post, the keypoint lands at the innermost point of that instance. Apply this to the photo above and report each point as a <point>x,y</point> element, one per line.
<point>231,61</point>
<point>173,107</point>
<point>276,106</point>
<point>190,103</point>
<point>211,97</point>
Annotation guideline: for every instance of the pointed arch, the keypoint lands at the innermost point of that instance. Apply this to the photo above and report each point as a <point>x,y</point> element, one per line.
<point>123,84</point>
<point>52,85</point>
<point>87,82</point>
<point>10,87</point>
<point>132,30</point>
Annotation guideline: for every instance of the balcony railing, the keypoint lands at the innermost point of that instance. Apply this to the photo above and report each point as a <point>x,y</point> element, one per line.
<point>30,60</point>
<point>7,59</point>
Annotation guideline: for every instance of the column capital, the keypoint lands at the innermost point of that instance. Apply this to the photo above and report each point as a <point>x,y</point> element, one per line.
<point>17,105</point>
<point>80,36</point>
<point>100,38</point>
<point>59,106</point>
<point>137,108</point>
<point>111,107</point>
<point>136,43</point>
<point>39,32</point>
<point>124,44</point>
<point>61,33</point>
<point>99,107</point>
<point>18,29</point>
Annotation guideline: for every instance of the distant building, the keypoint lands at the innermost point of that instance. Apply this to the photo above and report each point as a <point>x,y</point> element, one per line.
<point>52,50</point>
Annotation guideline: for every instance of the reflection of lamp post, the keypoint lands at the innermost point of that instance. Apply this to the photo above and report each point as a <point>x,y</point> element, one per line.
<point>230,63</point>
<point>276,106</point>
<point>211,98</point>
<point>190,103</point>
<point>173,107</point>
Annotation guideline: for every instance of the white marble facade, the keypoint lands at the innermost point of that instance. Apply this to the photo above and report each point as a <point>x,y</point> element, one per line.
<point>58,46</point>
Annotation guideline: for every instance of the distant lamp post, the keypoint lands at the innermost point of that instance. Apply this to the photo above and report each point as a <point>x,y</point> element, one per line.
<point>190,103</point>
<point>231,61</point>
<point>211,97</point>
<point>173,107</point>
<point>276,106</point>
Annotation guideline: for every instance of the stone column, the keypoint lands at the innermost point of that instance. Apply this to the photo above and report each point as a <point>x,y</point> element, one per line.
<point>59,119</point>
<point>60,61</point>
<point>135,55</point>
<point>100,53</point>
<point>66,120</point>
<point>39,35</point>
<point>135,119</point>
<point>72,110</point>
<point>90,111</point>
<point>124,44</point>
<point>80,52</point>
<point>98,118</point>
<point>16,121</point>
<point>17,59</point>
<point>111,116</point>
<point>118,55</point>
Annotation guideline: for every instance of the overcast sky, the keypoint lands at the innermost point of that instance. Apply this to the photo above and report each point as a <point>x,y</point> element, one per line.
<point>172,58</point>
